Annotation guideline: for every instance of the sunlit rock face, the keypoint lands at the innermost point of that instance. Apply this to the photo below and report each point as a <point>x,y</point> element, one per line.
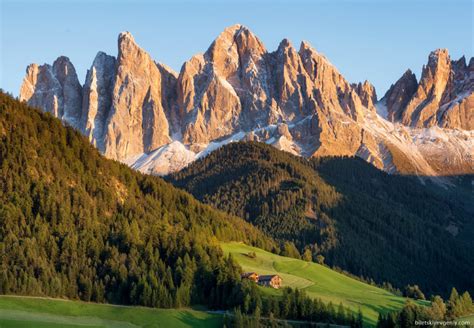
<point>443,97</point>
<point>142,113</point>
<point>97,98</point>
<point>137,121</point>
<point>56,89</point>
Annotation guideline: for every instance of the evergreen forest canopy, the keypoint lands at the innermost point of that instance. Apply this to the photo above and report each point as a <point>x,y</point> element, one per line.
<point>74,224</point>
<point>342,210</point>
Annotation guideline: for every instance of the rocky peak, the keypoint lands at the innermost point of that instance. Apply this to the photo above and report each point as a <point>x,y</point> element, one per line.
<point>65,73</point>
<point>97,98</point>
<point>310,55</point>
<point>30,83</point>
<point>288,56</point>
<point>137,110</point>
<point>438,87</point>
<point>248,43</point>
<point>293,87</point>
<point>137,121</point>
<point>332,92</point>
<point>227,88</point>
<point>233,43</point>
<point>367,94</point>
<point>399,94</point>
<point>55,88</point>
<point>435,75</point>
<point>460,64</point>
<point>320,70</point>
<point>443,96</point>
<point>438,57</point>
<point>284,45</point>
<point>126,43</point>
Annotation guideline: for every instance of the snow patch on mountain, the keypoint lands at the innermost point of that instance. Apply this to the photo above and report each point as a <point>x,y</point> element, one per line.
<point>416,143</point>
<point>169,158</point>
<point>217,144</point>
<point>174,156</point>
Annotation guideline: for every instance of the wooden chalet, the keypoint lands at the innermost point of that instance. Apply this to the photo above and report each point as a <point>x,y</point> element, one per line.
<point>251,276</point>
<point>272,280</point>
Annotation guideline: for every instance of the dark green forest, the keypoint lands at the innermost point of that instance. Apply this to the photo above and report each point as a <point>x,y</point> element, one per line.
<point>389,228</point>
<point>76,225</point>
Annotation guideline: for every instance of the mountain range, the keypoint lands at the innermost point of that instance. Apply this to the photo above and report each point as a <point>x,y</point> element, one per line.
<point>144,114</point>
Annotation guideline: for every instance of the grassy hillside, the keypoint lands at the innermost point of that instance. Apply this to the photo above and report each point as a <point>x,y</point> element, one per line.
<point>467,321</point>
<point>317,281</point>
<point>16,312</point>
<point>387,227</point>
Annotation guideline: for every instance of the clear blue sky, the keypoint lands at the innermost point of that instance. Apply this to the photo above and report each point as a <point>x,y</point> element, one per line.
<point>373,40</point>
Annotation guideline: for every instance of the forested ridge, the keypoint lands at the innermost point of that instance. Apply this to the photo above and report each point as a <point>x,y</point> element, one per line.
<point>375,225</point>
<point>74,224</point>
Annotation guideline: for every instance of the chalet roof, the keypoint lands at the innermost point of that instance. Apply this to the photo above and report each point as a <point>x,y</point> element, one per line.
<point>267,277</point>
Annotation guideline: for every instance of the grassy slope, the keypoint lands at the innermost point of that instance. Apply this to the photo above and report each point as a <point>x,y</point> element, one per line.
<point>318,281</point>
<point>469,318</point>
<point>38,312</point>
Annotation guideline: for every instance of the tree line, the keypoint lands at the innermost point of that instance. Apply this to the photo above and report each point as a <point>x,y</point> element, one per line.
<point>438,312</point>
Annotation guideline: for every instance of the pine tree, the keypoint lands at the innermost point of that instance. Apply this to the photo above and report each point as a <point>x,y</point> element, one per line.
<point>238,321</point>
<point>452,304</point>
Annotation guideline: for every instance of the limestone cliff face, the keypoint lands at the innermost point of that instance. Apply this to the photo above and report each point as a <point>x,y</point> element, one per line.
<point>422,108</point>
<point>367,94</point>
<point>237,85</point>
<point>397,97</point>
<point>220,91</point>
<point>443,97</point>
<point>97,98</point>
<point>332,92</point>
<point>142,113</point>
<point>55,89</point>
<point>137,122</point>
<point>457,106</point>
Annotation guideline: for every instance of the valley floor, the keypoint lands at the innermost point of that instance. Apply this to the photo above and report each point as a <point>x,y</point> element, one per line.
<point>20,312</point>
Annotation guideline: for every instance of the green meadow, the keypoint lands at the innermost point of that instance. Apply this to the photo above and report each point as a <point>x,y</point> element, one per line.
<point>22,312</point>
<point>317,281</point>
<point>469,320</point>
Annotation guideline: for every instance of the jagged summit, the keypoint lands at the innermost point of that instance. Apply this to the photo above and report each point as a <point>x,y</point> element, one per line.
<point>54,88</point>
<point>229,35</point>
<point>443,96</point>
<point>235,28</point>
<point>285,43</point>
<point>126,35</point>
<point>409,72</point>
<point>138,111</point>
<point>435,55</point>
<point>305,46</point>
